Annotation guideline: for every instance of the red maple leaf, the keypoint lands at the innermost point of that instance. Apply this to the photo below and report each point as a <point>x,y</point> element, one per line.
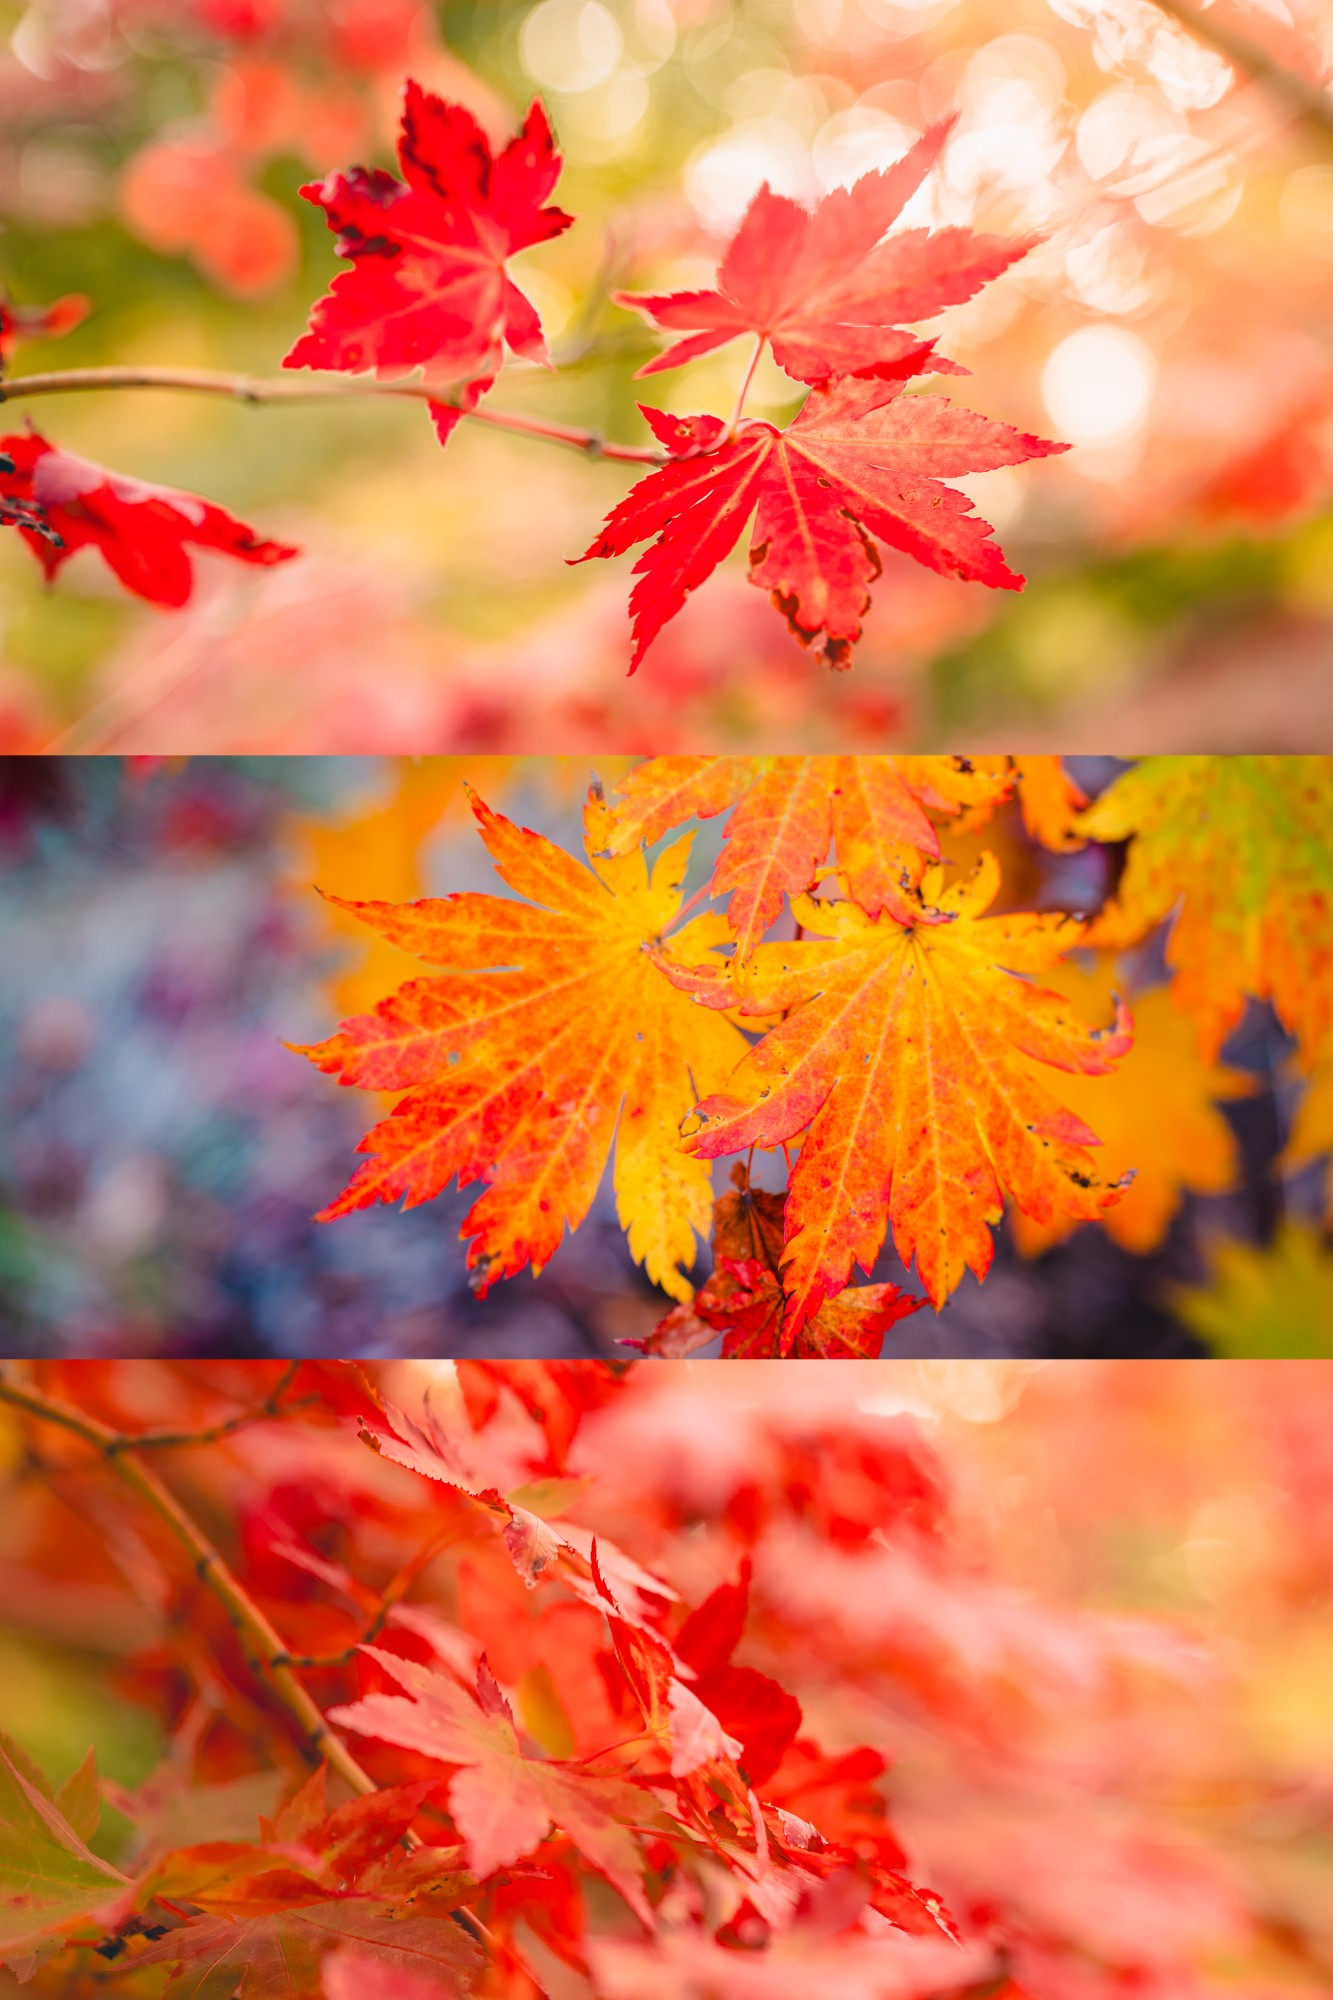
<point>823,290</point>
<point>860,461</point>
<point>503,1801</point>
<point>744,1298</point>
<point>63,503</point>
<point>428,286</point>
<point>39,322</point>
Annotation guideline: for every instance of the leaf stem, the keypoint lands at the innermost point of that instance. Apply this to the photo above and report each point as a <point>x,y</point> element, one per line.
<point>257,389</point>
<point>744,390</point>
<point>394,1592</point>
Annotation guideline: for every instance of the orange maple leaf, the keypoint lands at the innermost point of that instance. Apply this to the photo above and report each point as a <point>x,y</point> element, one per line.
<point>788,810</point>
<point>523,1072</point>
<point>1050,801</point>
<point>1160,1114</point>
<point>905,1055</point>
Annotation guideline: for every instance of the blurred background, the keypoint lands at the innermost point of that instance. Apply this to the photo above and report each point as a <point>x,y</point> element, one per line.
<point>162,1153</point>
<point>1174,326</point>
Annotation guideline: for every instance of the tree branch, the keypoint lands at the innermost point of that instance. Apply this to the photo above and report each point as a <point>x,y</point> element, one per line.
<point>269,1656</point>
<point>1312,104</point>
<point>269,1406</point>
<point>256,389</point>
<point>243,1614</point>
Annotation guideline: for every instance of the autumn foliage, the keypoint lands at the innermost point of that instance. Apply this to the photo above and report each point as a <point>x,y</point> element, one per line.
<point>428,294</point>
<point>569,1680</point>
<point>915,1051</point>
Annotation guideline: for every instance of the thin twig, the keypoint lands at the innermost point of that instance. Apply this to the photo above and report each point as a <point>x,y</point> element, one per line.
<point>1311,103</point>
<point>270,1406</point>
<point>256,389</point>
<point>394,1591</point>
<point>243,1614</point>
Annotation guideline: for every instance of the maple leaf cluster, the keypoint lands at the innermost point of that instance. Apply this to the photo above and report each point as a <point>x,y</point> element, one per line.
<point>601,1678</point>
<point>428,293</point>
<point>901,1044</point>
<point>860,465</point>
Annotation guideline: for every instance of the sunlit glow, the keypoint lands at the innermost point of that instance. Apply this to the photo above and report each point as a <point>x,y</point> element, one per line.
<point>655,29</point>
<point>1107,271</point>
<point>1190,76</point>
<point>570,45</point>
<point>722,181</point>
<point>1190,187</point>
<point>1119,129</point>
<point>604,118</point>
<point>977,1395</point>
<point>1306,210</point>
<point>855,142</point>
<point>1012,143</point>
<point>1097,385</point>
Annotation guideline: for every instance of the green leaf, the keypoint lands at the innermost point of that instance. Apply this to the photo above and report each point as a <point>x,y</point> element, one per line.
<point>80,1798</point>
<point>49,1881</point>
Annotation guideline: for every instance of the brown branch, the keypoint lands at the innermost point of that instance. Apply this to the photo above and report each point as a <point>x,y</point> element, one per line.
<point>256,389</point>
<point>1312,104</point>
<point>243,1614</point>
<point>271,1405</point>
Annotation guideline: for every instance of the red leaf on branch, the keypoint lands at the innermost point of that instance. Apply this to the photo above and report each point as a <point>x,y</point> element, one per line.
<point>142,531</point>
<point>503,1802</point>
<point>255,1957</point>
<point>39,322</point>
<point>428,287</point>
<point>744,1299</point>
<point>861,461</point>
<point>748,1704</point>
<point>823,289</point>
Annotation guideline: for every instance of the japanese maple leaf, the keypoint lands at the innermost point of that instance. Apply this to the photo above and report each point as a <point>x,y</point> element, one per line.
<point>745,1301</point>
<point>142,532</point>
<point>51,1884</point>
<point>523,1073</point>
<point>1241,848</point>
<point>1164,1087</point>
<point>749,1704</point>
<point>861,461</point>
<point>277,1955</point>
<point>682,1727</point>
<point>789,809</point>
<point>428,285</point>
<point>822,288</point>
<point>811,1958</point>
<point>503,1802</point>
<point>1050,801</point>
<point>905,1055</point>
